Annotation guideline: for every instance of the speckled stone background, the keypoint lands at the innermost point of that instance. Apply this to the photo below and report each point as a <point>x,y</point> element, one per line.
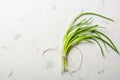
<point>28,27</point>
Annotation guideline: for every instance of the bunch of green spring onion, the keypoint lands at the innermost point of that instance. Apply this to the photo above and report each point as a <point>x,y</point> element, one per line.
<point>80,31</point>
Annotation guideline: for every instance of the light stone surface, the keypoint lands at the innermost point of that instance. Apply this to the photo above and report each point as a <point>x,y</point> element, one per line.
<point>28,27</point>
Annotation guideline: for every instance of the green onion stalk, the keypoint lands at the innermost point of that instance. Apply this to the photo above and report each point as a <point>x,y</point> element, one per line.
<point>79,31</point>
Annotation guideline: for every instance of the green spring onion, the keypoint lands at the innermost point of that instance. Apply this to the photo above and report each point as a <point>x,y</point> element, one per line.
<point>80,31</point>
